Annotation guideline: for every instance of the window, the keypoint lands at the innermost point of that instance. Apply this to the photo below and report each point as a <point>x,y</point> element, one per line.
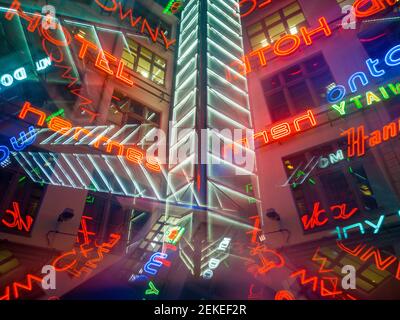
<point>369,277</point>
<point>285,21</point>
<point>336,180</point>
<point>145,62</point>
<point>124,110</point>
<point>297,88</point>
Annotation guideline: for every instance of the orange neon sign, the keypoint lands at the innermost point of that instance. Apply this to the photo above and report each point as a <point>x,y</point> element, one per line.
<point>103,60</point>
<point>315,220</point>
<point>371,252</point>
<point>356,138</point>
<point>367,8</point>
<point>281,130</point>
<point>69,266</point>
<point>17,220</point>
<point>254,4</point>
<point>285,46</point>
<point>320,283</point>
<point>63,127</point>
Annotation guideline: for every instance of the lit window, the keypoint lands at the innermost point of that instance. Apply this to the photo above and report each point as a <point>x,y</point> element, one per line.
<point>288,20</point>
<point>144,62</point>
<point>368,276</point>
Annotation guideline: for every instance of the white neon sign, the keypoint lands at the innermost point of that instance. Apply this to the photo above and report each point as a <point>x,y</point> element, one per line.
<point>7,80</point>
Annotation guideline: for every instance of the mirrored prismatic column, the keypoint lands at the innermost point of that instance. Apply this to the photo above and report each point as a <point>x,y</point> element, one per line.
<point>222,192</point>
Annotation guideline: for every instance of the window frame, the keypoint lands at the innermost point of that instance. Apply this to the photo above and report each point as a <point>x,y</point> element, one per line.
<point>319,191</point>
<point>138,55</point>
<point>285,86</point>
<point>283,19</point>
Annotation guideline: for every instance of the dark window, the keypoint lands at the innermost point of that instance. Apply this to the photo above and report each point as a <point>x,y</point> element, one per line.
<point>298,88</point>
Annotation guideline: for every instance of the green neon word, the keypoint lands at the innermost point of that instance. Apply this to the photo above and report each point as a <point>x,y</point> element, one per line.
<point>36,170</point>
<point>173,7</point>
<point>89,199</point>
<point>56,114</point>
<point>152,290</point>
<point>370,98</point>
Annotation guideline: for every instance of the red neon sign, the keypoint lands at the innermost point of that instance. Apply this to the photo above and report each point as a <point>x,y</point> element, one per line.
<point>103,60</point>
<point>367,8</point>
<point>321,282</point>
<point>315,220</point>
<point>371,252</point>
<point>285,46</point>
<point>284,295</point>
<point>356,138</point>
<point>145,24</point>
<point>254,4</point>
<point>17,220</point>
<point>282,130</point>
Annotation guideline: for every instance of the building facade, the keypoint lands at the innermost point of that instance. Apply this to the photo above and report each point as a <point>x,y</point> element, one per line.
<point>61,80</point>
<point>313,175</point>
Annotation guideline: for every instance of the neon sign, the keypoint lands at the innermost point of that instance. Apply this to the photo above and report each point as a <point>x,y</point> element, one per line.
<point>282,130</point>
<point>60,113</point>
<point>64,127</point>
<point>284,295</point>
<point>156,260</point>
<point>327,285</point>
<point>269,259</point>
<point>371,252</point>
<point>174,234</point>
<point>371,98</point>
<point>376,227</point>
<point>153,262</point>
<point>315,220</point>
<point>17,220</point>
<point>34,25</point>
<point>18,144</point>
<point>338,92</point>
<point>69,266</point>
<point>254,4</point>
<point>359,225</point>
<point>103,59</point>
<point>280,48</point>
<point>173,7</point>
<point>74,258</point>
<point>7,80</point>
<point>299,175</point>
<point>213,263</point>
<point>356,138</point>
<point>145,24</point>
<point>362,10</point>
